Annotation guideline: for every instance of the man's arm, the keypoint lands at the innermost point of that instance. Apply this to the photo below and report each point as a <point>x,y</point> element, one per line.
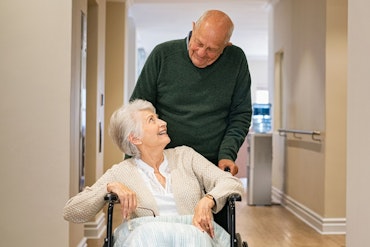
<point>239,118</point>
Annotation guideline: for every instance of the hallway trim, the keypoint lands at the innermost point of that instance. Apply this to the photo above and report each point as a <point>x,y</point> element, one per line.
<point>82,243</point>
<point>322,225</point>
<point>95,229</point>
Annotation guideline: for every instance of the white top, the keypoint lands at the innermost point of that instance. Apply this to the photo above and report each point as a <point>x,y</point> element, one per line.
<point>163,195</point>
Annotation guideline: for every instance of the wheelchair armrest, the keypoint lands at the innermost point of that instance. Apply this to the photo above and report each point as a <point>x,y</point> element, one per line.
<point>234,197</point>
<point>113,197</point>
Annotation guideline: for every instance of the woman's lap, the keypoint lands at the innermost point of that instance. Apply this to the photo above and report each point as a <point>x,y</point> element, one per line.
<point>167,231</point>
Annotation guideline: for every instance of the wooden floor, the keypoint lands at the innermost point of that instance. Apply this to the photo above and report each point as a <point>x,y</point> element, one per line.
<point>268,226</point>
<point>274,226</point>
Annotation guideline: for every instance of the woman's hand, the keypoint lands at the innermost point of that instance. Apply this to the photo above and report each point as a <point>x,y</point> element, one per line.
<point>203,217</point>
<point>126,197</point>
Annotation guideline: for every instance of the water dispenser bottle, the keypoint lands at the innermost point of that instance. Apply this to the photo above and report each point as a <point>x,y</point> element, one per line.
<point>261,118</point>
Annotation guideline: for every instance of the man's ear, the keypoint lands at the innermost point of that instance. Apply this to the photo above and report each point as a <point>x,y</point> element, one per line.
<point>134,140</point>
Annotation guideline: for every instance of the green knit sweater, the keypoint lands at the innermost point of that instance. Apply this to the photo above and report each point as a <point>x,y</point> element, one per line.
<point>208,109</point>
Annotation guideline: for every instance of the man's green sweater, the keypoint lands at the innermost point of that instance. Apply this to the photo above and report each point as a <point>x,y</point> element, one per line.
<point>208,109</point>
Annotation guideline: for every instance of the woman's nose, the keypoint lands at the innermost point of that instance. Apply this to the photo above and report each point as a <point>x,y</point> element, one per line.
<point>162,122</point>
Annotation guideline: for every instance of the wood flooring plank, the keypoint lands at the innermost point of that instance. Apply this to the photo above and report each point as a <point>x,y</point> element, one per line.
<point>270,226</point>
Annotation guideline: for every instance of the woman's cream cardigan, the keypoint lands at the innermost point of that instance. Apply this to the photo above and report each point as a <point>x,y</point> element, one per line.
<point>192,176</point>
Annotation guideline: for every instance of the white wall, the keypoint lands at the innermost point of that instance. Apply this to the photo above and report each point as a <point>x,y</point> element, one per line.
<point>35,75</point>
<point>259,75</point>
<point>358,122</point>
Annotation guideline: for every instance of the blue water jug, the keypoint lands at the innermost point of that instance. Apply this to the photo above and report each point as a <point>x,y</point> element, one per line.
<point>261,118</point>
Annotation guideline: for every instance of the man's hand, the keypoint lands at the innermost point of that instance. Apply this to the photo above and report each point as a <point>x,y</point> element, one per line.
<point>225,163</point>
<point>126,197</point>
<point>203,217</point>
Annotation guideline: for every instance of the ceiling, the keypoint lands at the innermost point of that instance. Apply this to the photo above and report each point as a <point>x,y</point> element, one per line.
<point>162,20</point>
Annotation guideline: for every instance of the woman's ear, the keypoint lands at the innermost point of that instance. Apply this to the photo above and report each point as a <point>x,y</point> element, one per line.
<point>134,140</point>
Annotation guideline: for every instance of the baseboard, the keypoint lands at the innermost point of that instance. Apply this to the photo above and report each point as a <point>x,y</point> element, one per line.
<point>276,196</point>
<point>82,243</point>
<point>95,229</point>
<point>322,225</point>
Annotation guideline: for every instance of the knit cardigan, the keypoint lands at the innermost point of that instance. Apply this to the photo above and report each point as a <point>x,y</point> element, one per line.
<point>191,176</point>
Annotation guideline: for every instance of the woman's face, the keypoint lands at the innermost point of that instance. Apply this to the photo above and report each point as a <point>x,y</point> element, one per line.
<point>154,130</point>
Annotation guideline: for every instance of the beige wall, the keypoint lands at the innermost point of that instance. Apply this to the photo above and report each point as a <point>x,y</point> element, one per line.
<point>35,96</point>
<point>76,236</point>
<point>305,104</point>
<point>358,122</point>
<point>114,74</point>
<point>336,108</point>
<point>95,91</point>
<point>312,93</point>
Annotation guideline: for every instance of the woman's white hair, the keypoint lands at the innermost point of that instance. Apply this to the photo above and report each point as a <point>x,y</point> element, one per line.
<point>125,121</point>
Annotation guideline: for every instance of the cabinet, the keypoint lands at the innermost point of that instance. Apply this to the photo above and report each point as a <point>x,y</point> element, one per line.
<point>259,169</point>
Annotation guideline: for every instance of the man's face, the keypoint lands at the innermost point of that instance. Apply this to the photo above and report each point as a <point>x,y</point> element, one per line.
<point>206,45</point>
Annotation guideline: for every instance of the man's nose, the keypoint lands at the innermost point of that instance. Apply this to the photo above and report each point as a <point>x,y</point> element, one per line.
<point>202,51</point>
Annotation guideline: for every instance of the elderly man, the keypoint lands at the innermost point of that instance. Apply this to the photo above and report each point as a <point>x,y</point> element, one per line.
<point>200,86</point>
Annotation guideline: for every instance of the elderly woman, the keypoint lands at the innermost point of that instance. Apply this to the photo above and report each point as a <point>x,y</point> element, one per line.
<point>177,184</point>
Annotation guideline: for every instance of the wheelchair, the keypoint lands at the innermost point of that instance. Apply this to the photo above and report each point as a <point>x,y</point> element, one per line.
<point>228,224</point>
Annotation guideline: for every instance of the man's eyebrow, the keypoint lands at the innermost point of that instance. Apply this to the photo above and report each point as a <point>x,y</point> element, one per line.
<point>197,40</point>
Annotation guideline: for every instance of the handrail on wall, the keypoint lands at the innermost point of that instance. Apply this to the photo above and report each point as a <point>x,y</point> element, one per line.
<point>314,133</point>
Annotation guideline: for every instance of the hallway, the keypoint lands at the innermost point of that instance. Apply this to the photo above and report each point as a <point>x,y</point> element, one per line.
<point>39,140</point>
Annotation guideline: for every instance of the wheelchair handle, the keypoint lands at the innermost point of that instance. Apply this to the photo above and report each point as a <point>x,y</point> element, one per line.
<point>234,197</point>
<point>111,197</point>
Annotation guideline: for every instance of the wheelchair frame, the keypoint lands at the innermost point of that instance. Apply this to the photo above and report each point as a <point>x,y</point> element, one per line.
<point>235,239</point>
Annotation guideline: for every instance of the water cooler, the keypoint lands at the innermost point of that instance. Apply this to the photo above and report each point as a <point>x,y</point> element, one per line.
<point>259,168</point>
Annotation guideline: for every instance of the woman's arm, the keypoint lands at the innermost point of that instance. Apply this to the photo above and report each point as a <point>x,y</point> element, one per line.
<point>86,204</point>
<point>203,217</point>
<point>218,185</point>
<point>216,182</point>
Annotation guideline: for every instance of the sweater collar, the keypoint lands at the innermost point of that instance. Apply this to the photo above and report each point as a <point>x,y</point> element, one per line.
<point>188,40</point>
